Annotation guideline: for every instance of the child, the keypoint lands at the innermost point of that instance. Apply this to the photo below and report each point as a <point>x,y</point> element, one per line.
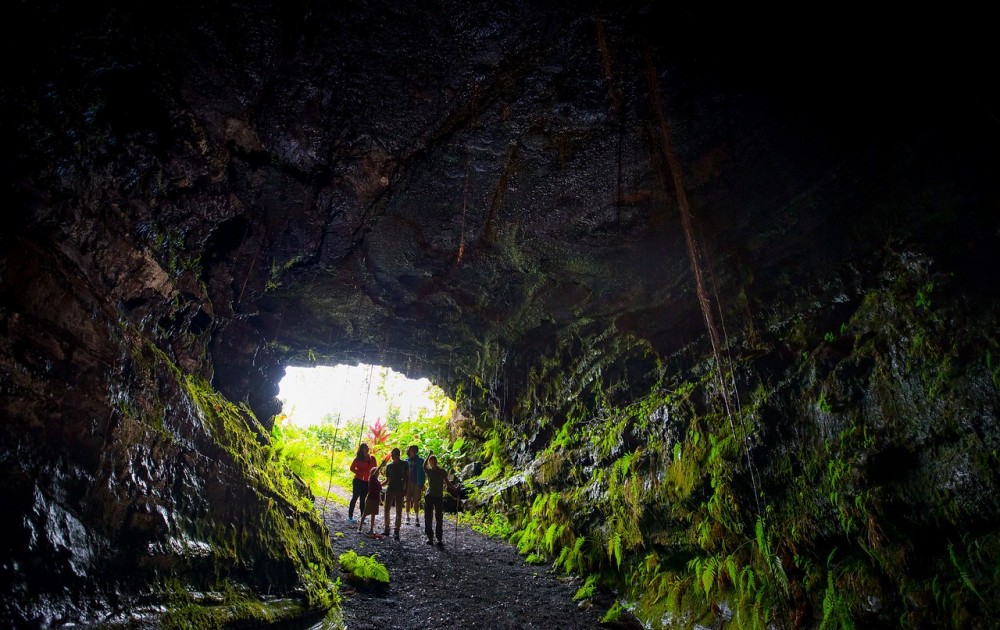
<point>372,501</point>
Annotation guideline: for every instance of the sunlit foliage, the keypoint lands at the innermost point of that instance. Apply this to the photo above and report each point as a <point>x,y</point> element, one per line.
<point>321,454</point>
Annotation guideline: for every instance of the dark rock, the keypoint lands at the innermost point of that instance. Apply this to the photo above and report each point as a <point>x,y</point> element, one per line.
<point>471,470</point>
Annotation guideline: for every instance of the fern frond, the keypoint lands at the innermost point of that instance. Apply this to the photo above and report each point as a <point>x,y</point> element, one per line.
<point>710,567</point>
<point>734,574</point>
<point>962,573</point>
<point>615,548</point>
<point>550,536</point>
<point>762,544</point>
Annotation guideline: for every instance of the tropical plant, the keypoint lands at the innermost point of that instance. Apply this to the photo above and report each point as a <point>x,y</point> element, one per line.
<point>300,452</point>
<point>378,438</point>
<point>430,435</point>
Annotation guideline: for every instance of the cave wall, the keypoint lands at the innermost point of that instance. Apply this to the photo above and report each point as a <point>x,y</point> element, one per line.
<point>137,495</point>
<point>132,486</point>
<point>201,196</point>
<point>854,482</point>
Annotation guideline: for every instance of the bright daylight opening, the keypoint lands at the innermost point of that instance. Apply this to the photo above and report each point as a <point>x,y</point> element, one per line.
<point>328,411</point>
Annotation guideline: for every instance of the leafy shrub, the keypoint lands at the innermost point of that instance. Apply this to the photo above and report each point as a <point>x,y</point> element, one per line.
<point>430,435</point>
<point>299,452</point>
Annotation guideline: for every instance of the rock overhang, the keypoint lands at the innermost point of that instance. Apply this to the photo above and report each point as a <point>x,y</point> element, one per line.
<point>361,180</point>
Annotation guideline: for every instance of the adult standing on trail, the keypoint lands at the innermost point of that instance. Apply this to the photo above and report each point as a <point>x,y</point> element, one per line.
<point>434,501</point>
<point>361,467</point>
<point>414,484</point>
<point>396,474</point>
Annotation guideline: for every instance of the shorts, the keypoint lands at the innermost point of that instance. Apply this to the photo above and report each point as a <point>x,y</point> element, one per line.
<point>414,492</point>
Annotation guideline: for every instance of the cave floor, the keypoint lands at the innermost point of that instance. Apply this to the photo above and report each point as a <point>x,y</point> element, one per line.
<point>472,582</point>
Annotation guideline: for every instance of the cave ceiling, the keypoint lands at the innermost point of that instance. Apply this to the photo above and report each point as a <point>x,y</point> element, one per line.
<point>408,184</point>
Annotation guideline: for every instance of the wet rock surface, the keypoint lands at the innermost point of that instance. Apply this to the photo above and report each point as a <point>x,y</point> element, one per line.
<point>470,582</point>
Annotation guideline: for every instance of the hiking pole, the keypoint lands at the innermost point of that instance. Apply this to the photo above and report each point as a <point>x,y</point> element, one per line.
<point>458,511</point>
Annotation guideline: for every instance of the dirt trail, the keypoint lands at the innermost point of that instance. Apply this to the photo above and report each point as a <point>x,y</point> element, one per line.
<point>475,582</point>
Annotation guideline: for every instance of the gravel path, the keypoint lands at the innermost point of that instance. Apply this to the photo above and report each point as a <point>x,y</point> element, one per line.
<point>475,582</point>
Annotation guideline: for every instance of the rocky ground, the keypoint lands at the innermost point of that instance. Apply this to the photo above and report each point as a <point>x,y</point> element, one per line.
<point>470,582</point>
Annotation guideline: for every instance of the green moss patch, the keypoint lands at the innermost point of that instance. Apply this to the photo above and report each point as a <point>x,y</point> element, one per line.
<point>253,549</point>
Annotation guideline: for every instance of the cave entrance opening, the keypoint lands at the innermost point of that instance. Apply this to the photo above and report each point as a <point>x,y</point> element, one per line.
<point>327,411</point>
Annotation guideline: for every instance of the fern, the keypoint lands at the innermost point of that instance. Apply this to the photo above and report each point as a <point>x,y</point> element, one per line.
<point>553,502</point>
<point>587,590</point>
<point>572,558</point>
<point>674,596</point>
<point>779,573</point>
<point>734,575</point>
<point>829,602</point>
<point>709,569</point>
<point>613,615</point>
<point>534,558</point>
<point>704,534</point>
<point>364,567</point>
<point>529,538</point>
<point>615,548</point>
<point>749,580</point>
<point>562,559</point>
<point>623,465</point>
<point>936,591</point>
<point>762,544</point>
<point>551,534</point>
<point>835,611</point>
<point>962,573</point>
<point>538,505</point>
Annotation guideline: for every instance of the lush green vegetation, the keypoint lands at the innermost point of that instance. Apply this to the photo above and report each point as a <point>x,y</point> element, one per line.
<point>852,484</point>
<point>364,568</point>
<point>321,454</point>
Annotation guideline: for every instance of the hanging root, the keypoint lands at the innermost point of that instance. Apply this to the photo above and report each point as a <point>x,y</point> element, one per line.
<point>465,205</point>
<point>694,256</point>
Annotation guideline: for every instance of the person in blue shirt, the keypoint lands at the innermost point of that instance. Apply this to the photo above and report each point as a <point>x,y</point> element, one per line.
<point>414,484</point>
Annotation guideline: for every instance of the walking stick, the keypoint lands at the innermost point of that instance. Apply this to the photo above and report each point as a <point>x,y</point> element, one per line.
<point>458,510</point>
